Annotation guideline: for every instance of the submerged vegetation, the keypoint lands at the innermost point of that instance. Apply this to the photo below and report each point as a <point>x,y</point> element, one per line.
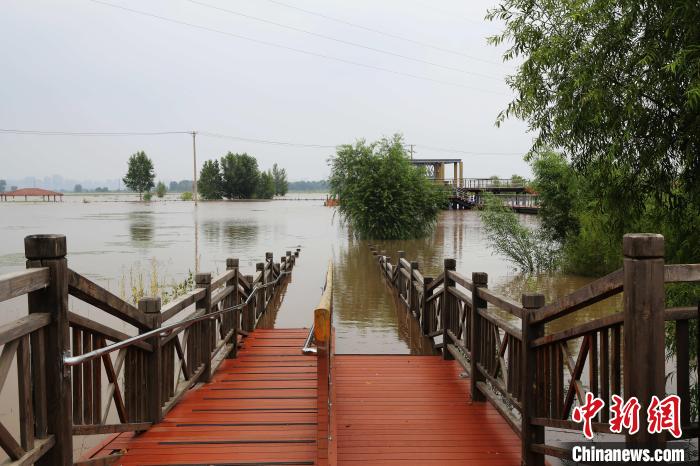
<point>138,283</point>
<point>381,194</point>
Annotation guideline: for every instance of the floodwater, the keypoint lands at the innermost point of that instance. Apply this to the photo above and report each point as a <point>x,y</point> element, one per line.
<point>122,245</point>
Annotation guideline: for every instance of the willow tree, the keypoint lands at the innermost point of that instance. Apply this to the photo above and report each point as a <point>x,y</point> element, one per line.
<point>382,195</point>
<point>616,86</point>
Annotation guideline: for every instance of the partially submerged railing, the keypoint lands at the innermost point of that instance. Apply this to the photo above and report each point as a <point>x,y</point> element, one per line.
<point>61,355</point>
<point>535,378</point>
<point>322,336</point>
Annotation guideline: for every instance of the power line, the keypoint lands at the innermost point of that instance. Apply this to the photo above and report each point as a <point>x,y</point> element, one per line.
<point>384,33</point>
<point>266,141</point>
<point>342,41</point>
<point>293,49</point>
<point>90,133</point>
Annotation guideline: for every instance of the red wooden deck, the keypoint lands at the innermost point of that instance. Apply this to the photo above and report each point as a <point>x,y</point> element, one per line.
<point>415,410</point>
<point>261,409</point>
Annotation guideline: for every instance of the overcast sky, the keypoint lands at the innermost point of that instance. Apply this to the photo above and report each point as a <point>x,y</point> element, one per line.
<point>78,65</point>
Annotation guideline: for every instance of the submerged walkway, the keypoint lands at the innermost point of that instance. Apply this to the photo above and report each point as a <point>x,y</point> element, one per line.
<point>261,408</point>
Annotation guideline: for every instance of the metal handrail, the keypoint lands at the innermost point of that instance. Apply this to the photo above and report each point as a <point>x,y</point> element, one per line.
<point>165,330</point>
<point>308,349</point>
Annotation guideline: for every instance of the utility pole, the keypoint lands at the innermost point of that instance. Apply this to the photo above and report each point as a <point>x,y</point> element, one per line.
<point>411,146</point>
<point>194,166</point>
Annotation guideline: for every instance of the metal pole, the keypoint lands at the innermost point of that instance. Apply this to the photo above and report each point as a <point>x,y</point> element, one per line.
<point>194,166</point>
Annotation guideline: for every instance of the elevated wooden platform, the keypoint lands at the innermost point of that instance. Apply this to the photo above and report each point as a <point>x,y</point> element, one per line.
<point>415,410</point>
<point>261,408</point>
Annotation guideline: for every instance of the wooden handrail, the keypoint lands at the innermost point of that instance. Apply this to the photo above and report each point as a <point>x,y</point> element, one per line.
<point>592,293</point>
<point>176,306</point>
<point>92,293</point>
<point>16,329</point>
<point>674,273</point>
<point>19,283</point>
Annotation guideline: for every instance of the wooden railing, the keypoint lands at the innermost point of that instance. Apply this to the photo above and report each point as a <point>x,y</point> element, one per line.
<point>61,355</point>
<point>535,378</point>
<point>323,337</point>
<point>484,183</point>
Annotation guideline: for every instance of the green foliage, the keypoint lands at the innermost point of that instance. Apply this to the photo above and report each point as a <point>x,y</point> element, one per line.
<point>308,186</point>
<point>382,195</point>
<point>140,175</point>
<point>517,180</point>
<point>148,196</point>
<point>240,176</point>
<point>78,188</point>
<point>210,183</point>
<point>530,250</point>
<point>186,196</point>
<point>280,178</point>
<point>160,189</point>
<point>558,189</point>
<point>103,189</point>
<point>266,186</point>
<point>616,85</point>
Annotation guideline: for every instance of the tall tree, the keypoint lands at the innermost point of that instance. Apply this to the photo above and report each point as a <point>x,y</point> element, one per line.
<point>210,182</point>
<point>615,84</point>
<point>266,186</point>
<point>78,188</point>
<point>280,178</point>
<point>140,175</point>
<point>240,175</point>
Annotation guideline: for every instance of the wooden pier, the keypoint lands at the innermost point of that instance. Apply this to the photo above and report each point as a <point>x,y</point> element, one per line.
<point>210,388</point>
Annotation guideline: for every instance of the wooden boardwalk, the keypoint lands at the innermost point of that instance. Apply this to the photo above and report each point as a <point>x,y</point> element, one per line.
<point>415,410</point>
<point>261,408</point>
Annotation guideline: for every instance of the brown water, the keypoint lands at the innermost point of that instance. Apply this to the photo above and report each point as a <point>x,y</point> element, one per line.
<point>115,243</point>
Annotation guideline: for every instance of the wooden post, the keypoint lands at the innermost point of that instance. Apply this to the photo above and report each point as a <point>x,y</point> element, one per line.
<point>412,294</point>
<point>643,358</point>
<point>399,280</point>
<point>154,361</point>
<point>447,306</point>
<point>233,300</point>
<point>288,259</point>
<point>206,342</point>
<point>530,434</point>
<point>260,292</point>
<point>479,280</point>
<point>249,310</point>
<point>426,317</point>
<point>269,263</point>
<point>50,251</point>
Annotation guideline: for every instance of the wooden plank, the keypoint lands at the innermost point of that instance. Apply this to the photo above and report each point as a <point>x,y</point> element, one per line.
<point>38,357</point>
<point>222,278</point>
<point>581,329</point>
<point>97,429</point>
<point>459,294</point>
<point>219,295</point>
<point>24,388</point>
<point>25,281</point>
<point>501,302</point>
<point>84,323</point>
<point>90,292</point>
<point>592,293</point>
<point>114,390</point>
<point>9,444</point>
<point>8,354</point>
<point>682,273</point>
<point>461,280</point>
<point>40,448</point>
<point>681,313</point>
<point>23,326</point>
<point>174,307</point>
<point>107,460</point>
<point>507,326</point>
